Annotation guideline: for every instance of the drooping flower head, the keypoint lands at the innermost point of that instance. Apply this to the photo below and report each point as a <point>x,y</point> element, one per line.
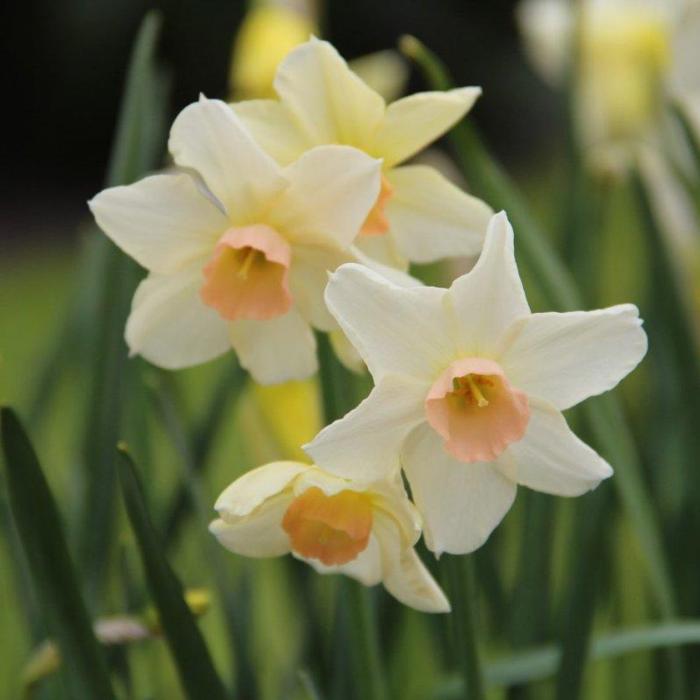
<point>469,389</point>
<point>237,247</point>
<point>337,526</point>
<point>417,214</point>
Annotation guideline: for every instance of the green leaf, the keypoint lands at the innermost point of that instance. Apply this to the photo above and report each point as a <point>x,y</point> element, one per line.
<point>194,665</point>
<point>40,530</point>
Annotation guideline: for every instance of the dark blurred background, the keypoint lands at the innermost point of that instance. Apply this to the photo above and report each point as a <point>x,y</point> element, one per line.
<point>65,64</point>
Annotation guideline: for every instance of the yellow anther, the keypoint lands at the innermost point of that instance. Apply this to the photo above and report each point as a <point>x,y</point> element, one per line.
<point>476,392</point>
<point>244,269</point>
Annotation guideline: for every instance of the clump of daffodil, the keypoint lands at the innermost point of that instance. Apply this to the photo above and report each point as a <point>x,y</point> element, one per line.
<point>366,531</point>
<point>237,247</point>
<point>629,56</point>
<point>469,391</point>
<point>418,215</point>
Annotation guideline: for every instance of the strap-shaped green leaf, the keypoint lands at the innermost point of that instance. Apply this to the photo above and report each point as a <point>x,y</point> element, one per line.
<point>41,533</point>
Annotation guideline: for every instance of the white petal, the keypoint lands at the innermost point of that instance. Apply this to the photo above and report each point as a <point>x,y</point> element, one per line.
<point>383,249</point>
<point>365,443</point>
<point>413,122</point>
<point>269,123</point>
<point>397,330</point>
<point>345,351</point>
<point>162,221</point>
<point>365,568</point>
<point>329,102</point>
<point>259,534</point>
<point>431,218</point>
<point>550,458</point>
<point>565,358</point>
<point>461,503</point>
<point>248,491</point>
<point>491,296</point>
<point>169,324</point>
<point>208,137</point>
<point>386,72</point>
<point>331,191</point>
<point>275,351</point>
<point>405,576</point>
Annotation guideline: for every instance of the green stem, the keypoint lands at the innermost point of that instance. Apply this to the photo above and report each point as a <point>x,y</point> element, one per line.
<point>462,593</point>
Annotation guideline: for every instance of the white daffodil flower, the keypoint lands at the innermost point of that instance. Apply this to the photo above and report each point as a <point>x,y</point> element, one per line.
<point>237,247</point>
<point>337,526</point>
<point>469,390</point>
<point>632,53</point>
<point>418,214</point>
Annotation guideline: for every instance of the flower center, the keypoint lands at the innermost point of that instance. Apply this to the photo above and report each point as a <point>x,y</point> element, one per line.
<point>333,529</point>
<point>247,276</point>
<point>376,222</point>
<point>475,410</point>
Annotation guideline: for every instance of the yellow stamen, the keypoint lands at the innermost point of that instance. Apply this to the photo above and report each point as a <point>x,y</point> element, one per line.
<point>476,392</point>
<point>248,260</point>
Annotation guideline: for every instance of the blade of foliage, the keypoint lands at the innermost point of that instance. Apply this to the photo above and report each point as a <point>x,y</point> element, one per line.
<point>41,533</point>
<point>137,148</point>
<point>604,415</point>
<point>194,665</point>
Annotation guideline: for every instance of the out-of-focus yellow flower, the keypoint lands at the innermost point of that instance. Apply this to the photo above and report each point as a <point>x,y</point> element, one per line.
<point>292,412</point>
<point>469,391</point>
<point>366,531</point>
<point>267,34</point>
<point>631,54</point>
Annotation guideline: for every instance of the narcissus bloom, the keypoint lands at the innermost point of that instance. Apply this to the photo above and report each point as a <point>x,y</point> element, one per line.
<point>469,390</point>
<point>418,215</point>
<point>237,247</point>
<point>633,53</point>
<point>337,526</point>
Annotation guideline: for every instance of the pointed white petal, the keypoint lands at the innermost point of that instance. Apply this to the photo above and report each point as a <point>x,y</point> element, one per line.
<point>550,458</point>
<point>269,123</point>
<point>162,221</point>
<point>331,191</point>
<point>345,351</point>
<point>259,534</point>
<point>169,324</point>
<point>386,72</point>
<point>490,297</point>
<point>565,358</point>
<point>413,122</point>
<point>248,491</point>
<point>461,503</point>
<point>383,249</point>
<point>365,443</point>
<point>396,330</point>
<point>365,568</point>
<point>431,218</point>
<point>405,576</point>
<point>208,137</point>
<point>277,350</point>
<point>328,101</point>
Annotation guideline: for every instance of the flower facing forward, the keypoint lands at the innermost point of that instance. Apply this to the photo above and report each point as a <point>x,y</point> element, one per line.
<point>469,389</point>
<point>237,247</point>
<point>417,215</point>
<point>333,524</point>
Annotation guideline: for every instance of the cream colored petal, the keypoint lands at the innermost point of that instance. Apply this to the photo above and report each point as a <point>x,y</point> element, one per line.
<point>461,503</point>
<point>405,576</point>
<point>277,350</point>
<point>383,249</point>
<point>169,324</point>
<point>331,191</point>
<point>565,358</point>
<point>162,221</point>
<point>271,126</point>
<point>396,330</point>
<point>550,458</point>
<point>247,492</point>
<point>386,72</point>
<point>208,137</point>
<point>259,534</point>
<point>365,568</point>
<point>490,297</point>
<point>328,101</point>
<point>365,443</point>
<point>431,218</point>
<point>414,122</point>
<point>345,351</point>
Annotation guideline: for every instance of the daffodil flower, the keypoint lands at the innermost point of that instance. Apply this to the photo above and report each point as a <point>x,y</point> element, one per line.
<point>418,215</point>
<point>237,247</point>
<point>469,390</point>
<point>631,54</point>
<point>337,526</point>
